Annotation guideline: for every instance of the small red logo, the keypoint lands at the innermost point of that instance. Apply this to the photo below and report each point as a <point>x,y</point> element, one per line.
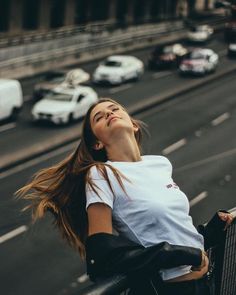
<point>172,185</point>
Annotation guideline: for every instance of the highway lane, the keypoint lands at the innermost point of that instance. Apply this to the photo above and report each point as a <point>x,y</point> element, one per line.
<point>23,133</point>
<point>195,131</point>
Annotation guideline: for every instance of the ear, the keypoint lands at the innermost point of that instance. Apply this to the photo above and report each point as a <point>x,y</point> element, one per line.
<point>136,129</point>
<point>98,146</point>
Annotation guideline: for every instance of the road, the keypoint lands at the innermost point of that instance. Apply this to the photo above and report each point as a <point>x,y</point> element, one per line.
<point>24,134</point>
<point>195,131</point>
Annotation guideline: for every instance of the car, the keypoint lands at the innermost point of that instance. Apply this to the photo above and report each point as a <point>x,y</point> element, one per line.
<point>117,69</point>
<point>63,105</point>
<point>53,79</point>
<point>200,33</point>
<point>11,98</point>
<point>199,61</point>
<point>166,56</point>
<point>230,31</point>
<point>232,49</point>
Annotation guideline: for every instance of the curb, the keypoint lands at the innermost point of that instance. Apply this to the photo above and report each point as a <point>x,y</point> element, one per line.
<point>74,134</point>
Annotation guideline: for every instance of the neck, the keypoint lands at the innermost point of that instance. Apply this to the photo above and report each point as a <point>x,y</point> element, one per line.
<point>124,149</point>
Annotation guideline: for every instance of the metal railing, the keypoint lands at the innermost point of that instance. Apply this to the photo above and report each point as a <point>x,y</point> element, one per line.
<point>223,270</point>
<point>81,47</point>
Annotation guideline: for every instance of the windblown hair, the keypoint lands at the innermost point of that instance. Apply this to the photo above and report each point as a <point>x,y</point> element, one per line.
<point>60,189</point>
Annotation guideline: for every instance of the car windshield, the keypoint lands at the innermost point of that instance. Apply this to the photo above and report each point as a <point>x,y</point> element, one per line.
<point>199,29</point>
<point>112,63</point>
<point>59,96</point>
<point>54,76</point>
<point>197,55</point>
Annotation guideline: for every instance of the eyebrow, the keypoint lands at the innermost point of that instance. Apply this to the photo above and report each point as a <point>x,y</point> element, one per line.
<point>110,106</point>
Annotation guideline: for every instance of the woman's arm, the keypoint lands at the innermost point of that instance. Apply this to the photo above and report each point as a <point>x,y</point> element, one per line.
<point>99,219</point>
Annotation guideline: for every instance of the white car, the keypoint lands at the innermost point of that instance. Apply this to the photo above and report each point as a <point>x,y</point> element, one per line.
<point>117,69</point>
<point>63,105</point>
<point>201,33</point>
<point>199,62</point>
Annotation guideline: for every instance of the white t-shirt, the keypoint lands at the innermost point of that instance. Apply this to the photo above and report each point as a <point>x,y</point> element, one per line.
<point>154,209</point>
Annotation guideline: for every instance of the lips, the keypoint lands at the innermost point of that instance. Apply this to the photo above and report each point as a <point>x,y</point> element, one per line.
<point>110,119</point>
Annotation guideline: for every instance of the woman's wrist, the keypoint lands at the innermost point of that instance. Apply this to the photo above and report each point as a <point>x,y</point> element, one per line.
<point>204,258</point>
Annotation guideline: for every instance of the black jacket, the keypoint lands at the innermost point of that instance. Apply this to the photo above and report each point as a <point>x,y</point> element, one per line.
<point>108,254</point>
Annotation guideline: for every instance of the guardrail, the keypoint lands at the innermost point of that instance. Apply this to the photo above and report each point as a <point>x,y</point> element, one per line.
<point>28,59</point>
<point>86,40</point>
<point>223,259</point>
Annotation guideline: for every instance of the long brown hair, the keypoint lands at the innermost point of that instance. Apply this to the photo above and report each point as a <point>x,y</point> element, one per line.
<point>60,189</point>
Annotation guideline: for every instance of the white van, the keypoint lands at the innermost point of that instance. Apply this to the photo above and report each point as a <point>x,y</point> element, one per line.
<point>11,98</point>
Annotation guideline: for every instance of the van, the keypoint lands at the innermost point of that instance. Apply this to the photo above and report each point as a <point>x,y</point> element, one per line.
<point>11,98</point>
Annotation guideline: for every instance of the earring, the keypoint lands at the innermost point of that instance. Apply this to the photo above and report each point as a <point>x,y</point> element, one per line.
<point>98,146</point>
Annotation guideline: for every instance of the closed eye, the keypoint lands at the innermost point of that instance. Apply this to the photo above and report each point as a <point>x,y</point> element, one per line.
<point>98,118</point>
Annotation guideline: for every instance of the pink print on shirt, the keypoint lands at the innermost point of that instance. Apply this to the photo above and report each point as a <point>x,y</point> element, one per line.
<point>172,185</point>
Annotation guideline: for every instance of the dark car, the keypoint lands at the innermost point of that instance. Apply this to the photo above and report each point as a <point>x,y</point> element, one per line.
<point>53,79</point>
<point>49,81</point>
<point>230,31</point>
<point>166,56</point>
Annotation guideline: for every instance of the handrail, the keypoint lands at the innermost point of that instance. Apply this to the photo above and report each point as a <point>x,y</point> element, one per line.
<point>117,283</point>
<point>94,42</point>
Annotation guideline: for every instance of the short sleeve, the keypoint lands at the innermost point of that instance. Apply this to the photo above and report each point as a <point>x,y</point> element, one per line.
<point>104,193</point>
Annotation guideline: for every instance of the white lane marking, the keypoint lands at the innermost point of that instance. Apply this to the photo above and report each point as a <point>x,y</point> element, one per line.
<point>207,160</point>
<point>36,161</point>
<point>220,119</point>
<point>198,133</point>
<point>198,198</point>
<point>174,146</point>
<point>120,88</point>
<point>13,233</point>
<point>161,74</point>
<point>7,127</point>
<point>83,278</point>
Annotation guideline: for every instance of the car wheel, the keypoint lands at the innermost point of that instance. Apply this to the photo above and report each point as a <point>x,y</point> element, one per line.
<point>122,80</point>
<point>70,118</point>
<point>14,113</point>
<point>137,76</point>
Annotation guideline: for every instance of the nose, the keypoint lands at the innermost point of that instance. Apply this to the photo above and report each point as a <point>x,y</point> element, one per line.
<point>108,113</point>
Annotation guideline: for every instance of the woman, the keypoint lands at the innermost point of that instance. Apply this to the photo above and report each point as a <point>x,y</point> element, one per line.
<point>106,184</point>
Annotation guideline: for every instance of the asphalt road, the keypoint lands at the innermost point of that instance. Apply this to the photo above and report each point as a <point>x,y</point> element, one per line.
<point>195,131</point>
<point>22,134</point>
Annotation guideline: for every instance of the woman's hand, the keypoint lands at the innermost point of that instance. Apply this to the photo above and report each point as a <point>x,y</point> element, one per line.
<point>196,272</point>
<point>203,268</point>
<point>227,218</point>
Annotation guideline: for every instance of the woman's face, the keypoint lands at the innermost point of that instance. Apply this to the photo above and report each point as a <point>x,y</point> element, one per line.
<point>108,119</point>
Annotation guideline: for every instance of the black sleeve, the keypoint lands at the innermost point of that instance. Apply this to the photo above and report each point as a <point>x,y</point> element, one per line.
<point>213,231</point>
<point>107,254</point>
